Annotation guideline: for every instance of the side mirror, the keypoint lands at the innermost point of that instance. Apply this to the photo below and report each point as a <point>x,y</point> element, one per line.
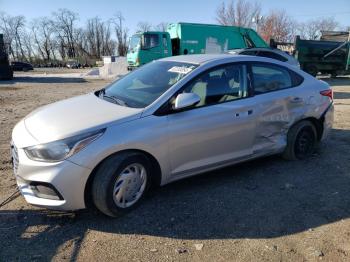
<point>186,100</point>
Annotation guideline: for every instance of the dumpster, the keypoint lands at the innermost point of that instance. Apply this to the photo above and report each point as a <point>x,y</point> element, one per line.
<point>6,72</point>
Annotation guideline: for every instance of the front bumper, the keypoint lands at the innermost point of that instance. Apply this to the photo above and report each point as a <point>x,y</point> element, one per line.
<point>64,181</point>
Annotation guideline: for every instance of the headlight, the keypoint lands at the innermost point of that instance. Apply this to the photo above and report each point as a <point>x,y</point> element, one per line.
<point>61,149</point>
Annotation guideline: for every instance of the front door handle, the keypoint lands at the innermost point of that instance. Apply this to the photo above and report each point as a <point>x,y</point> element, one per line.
<point>245,113</point>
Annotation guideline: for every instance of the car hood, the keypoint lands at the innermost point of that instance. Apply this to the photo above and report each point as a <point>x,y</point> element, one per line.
<point>78,114</point>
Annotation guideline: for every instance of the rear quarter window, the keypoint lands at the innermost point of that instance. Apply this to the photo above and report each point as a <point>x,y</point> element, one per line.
<point>296,78</point>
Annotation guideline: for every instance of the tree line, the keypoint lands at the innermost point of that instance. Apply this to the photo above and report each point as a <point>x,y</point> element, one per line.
<point>276,24</point>
<point>59,37</point>
<point>52,39</point>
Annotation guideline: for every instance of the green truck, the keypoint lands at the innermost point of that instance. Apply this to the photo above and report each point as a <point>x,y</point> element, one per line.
<point>327,57</point>
<point>189,38</point>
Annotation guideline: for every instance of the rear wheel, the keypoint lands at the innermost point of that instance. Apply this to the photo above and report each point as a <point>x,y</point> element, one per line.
<point>120,183</point>
<point>301,141</point>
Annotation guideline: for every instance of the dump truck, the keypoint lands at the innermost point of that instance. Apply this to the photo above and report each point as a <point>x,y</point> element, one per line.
<point>327,57</point>
<point>189,38</point>
<point>6,72</point>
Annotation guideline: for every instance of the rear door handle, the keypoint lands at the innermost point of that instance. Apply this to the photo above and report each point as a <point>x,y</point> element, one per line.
<point>296,99</point>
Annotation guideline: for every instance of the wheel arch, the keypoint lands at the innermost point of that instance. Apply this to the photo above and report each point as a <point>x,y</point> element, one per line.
<point>318,124</point>
<point>156,177</point>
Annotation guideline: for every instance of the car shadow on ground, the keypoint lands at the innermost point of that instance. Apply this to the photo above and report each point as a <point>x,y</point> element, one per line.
<point>42,80</point>
<point>264,198</point>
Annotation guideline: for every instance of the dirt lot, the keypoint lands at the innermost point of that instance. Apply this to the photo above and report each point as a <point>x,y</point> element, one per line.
<point>265,210</point>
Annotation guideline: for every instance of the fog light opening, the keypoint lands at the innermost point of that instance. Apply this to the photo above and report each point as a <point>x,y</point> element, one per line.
<point>45,190</point>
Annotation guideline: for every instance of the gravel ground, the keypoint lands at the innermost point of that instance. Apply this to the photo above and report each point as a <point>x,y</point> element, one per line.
<point>264,210</point>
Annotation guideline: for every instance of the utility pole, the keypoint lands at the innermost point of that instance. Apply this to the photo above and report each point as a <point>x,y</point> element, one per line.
<point>257,19</point>
<point>348,59</point>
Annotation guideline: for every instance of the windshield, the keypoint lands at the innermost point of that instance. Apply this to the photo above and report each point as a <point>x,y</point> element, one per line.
<point>143,86</point>
<point>134,44</point>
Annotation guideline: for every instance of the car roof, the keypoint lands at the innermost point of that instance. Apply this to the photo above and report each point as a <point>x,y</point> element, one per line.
<point>276,50</point>
<point>196,59</point>
<point>205,58</point>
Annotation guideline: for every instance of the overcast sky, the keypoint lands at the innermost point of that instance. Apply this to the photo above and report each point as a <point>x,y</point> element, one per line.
<point>156,11</point>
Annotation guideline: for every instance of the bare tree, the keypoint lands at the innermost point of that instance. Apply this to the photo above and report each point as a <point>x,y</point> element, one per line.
<point>28,46</point>
<point>37,40</point>
<point>312,28</point>
<point>64,21</point>
<point>161,27</point>
<point>7,30</point>
<point>121,33</point>
<point>98,40</point>
<point>14,29</point>
<point>46,39</point>
<point>43,33</point>
<point>239,13</point>
<point>279,26</point>
<point>18,23</point>
<point>144,26</point>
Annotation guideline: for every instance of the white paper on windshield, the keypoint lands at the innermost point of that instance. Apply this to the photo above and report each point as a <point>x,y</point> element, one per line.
<point>180,70</point>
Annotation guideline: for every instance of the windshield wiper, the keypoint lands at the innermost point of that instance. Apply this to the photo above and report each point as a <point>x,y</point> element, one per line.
<point>113,98</point>
<point>119,101</point>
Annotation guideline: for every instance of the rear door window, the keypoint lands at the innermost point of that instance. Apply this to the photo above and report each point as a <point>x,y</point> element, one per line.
<point>268,78</point>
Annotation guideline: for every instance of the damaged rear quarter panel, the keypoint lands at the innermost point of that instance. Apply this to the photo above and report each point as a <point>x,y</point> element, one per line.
<point>277,112</point>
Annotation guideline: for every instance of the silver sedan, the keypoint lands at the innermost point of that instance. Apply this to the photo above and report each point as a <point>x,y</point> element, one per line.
<point>170,119</point>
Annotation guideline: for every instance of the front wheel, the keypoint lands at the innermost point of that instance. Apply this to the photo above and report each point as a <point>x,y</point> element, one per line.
<point>120,183</point>
<point>301,141</point>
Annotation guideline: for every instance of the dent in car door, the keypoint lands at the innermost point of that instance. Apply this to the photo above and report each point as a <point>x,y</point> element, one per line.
<point>278,105</point>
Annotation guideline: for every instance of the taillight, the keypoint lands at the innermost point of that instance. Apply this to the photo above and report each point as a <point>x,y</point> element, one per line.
<point>328,92</point>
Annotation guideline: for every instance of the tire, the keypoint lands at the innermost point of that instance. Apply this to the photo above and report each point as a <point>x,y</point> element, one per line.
<point>114,190</point>
<point>334,74</point>
<point>301,141</point>
<point>312,70</point>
